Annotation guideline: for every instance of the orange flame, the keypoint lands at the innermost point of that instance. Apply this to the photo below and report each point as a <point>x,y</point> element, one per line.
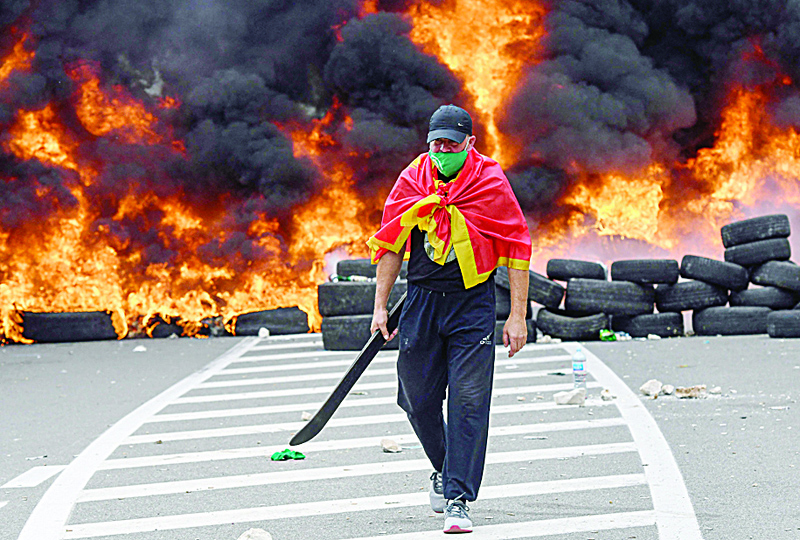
<point>71,267</point>
<point>19,60</point>
<point>101,114</point>
<point>752,162</point>
<point>487,44</point>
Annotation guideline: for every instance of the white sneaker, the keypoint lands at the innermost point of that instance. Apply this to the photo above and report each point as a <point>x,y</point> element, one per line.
<point>456,519</point>
<point>438,502</point>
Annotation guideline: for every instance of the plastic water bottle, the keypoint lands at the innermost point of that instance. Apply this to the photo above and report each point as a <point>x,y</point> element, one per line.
<point>579,368</point>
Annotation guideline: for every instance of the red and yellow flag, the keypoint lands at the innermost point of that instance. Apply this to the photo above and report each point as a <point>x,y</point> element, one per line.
<point>476,213</point>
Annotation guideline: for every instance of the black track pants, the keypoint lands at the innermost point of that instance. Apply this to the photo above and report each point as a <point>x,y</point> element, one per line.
<point>447,340</point>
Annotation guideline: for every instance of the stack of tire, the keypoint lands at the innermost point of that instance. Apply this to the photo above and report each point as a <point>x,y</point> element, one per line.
<point>592,302</point>
<point>760,245</point>
<point>717,293</point>
<point>346,306</point>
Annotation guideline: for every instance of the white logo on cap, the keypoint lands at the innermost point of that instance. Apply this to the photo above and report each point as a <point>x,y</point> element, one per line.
<point>460,124</point>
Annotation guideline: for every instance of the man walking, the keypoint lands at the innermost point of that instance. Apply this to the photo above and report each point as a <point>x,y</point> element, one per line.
<point>453,210</point>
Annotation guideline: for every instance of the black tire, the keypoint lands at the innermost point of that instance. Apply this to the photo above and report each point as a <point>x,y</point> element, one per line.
<point>280,321</point>
<point>158,328</point>
<point>566,269</point>
<point>363,267</point>
<point>70,326</point>
<point>645,271</point>
<point>349,333</point>
<point>571,328</point>
<point>503,304</point>
<point>498,331</point>
<point>609,297</point>
<point>784,324</point>
<point>785,275</point>
<point>661,324</point>
<point>353,297</point>
<point>771,297</point>
<point>725,274</point>
<point>688,295</point>
<point>540,289</point>
<point>774,249</point>
<point>752,230</point>
<point>730,321</point>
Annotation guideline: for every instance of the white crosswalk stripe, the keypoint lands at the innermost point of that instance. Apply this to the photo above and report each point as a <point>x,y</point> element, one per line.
<point>191,459</point>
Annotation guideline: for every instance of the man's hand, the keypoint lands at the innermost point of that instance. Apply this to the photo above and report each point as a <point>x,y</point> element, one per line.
<point>515,334</point>
<point>515,331</point>
<point>379,319</point>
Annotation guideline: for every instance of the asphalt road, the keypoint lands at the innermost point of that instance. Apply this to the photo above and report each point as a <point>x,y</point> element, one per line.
<point>737,451</point>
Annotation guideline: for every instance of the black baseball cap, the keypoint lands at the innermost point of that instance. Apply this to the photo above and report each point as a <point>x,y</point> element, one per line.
<point>450,122</point>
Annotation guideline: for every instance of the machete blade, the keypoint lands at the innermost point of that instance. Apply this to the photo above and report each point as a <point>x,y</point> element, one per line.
<point>375,343</point>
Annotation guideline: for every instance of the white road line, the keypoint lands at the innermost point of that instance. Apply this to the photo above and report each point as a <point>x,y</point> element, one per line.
<point>360,386</point>
<point>3,503</point>
<point>34,476</point>
<point>360,402</point>
<point>346,471</point>
<point>345,444</point>
<point>675,516</point>
<point>329,507</point>
<point>541,527</point>
<point>292,345</point>
<point>336,422</point>
<point>52,512</point>
<point>506,363</point>
<point>338,375</point>
<point>298,355</point>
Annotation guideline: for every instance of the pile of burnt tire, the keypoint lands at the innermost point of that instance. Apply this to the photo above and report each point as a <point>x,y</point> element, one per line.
<point>346,304</point>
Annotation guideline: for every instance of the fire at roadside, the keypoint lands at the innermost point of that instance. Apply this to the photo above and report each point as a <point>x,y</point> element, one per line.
<point>175,165</point>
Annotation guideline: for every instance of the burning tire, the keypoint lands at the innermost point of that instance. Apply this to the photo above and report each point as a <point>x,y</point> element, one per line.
<point>349,333</point>
<point>725,274</point>
<point>65,327</point>
<point>668,324</point>
<point>645,271</point>
<point>752,230</point>
<point>785,275</point>
<point>353,297</point>
<point>280,321</point>
<point>571,328</point>
<point>771,297</point>
<point>774,249</point>
<point>159,328</point>
<point>540,289</point>
<point>784,324</point>
<point>609,297</point>
<point>498,331</point>
<point>689,295</point>
<point>364,268</point>
<point>566,269</point>
<point>730,321</point>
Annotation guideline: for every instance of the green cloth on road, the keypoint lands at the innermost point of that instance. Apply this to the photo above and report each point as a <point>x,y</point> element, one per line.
<point>607,335</point>
<point>283,455</point>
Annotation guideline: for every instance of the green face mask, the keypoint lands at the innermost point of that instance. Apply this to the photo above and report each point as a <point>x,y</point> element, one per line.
<point>449,163</point>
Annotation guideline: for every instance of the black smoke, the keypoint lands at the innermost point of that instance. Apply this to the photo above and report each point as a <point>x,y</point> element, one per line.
<point>620,83</point>
<point>246,72</point>
<point>625,82</point>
